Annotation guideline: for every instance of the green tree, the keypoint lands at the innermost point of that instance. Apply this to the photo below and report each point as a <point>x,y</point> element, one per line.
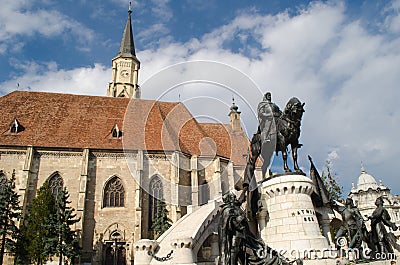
<point>330,180</point>
<point>21,251</point>
<point>161,222</point>
<point>40,212</point>
<point>10,213</point>
<point>334,189</point>
<point>63,242</point>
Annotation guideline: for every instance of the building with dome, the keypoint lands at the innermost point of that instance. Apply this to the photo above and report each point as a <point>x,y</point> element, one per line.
<point>368,190</point>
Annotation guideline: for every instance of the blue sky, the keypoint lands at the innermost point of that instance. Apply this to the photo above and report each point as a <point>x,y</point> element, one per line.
<point>341,57</point>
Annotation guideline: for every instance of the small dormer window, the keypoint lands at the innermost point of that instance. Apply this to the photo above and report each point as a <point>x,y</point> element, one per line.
<point>16,127</point>
<point>115,132</point>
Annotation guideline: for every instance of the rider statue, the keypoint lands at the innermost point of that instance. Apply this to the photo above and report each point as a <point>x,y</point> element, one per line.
<point>263,143</point>
<point>276,131</point>
<point>268,113</point>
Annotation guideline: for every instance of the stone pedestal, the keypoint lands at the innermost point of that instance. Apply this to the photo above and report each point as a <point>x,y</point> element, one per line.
<point>288,221</point>
<point>183,253</point>
<point>142,247</point>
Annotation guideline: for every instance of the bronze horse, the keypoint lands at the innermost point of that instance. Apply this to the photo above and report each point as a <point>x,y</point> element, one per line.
<point>288,132</point>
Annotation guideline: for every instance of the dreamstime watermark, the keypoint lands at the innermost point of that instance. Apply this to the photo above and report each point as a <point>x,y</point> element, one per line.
<point>328,253</point>
<point>169,134</point>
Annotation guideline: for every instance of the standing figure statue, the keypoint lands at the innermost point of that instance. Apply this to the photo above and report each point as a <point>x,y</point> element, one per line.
<point>233,231</point>
<point>379,236</point>
<point>230,230</point>
<point>237,245</point>
<point>353,226</point>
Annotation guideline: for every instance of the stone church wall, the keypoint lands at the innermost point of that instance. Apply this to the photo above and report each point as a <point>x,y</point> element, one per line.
<point>107,166</point>
<point>11,159</point>
<point>85,174</point>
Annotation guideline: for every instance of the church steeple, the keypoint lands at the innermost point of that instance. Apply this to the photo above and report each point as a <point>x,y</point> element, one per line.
<point>127,47</point>
<point>234,116</point>
<point>125,66</point>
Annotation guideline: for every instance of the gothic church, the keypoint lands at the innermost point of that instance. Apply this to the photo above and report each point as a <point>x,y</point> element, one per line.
<point>117,172</point>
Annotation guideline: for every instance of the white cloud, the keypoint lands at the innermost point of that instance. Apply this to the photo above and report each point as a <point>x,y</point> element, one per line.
<point>346,74</point>
<point>22,18</point>
<point>47,77</point>
<point>151,31</point>
<point>161,14</point>
<point>161,9</point>
<point>392,21</point>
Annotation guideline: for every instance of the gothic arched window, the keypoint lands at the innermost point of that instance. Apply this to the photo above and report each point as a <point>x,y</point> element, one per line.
<point>56,184</point>
<point>114,193</point>
<point>156,195</point>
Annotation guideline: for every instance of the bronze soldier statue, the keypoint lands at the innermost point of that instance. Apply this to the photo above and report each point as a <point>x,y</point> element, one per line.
<point>379,236</point>
<point>353,226</point>
<point>237,244</point>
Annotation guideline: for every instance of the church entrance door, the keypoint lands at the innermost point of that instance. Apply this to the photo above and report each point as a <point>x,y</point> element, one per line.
<point>113,257</point>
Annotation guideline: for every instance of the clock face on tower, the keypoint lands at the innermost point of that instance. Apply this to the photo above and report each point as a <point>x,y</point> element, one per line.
<point>124,73</point>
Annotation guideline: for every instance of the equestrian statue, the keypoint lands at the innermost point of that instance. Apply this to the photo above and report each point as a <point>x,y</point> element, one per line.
<point>276,131</point>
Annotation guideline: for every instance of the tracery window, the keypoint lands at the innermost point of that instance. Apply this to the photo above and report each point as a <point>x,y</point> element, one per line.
<point>56,184</point>
<point>114,193</point>
<point>155,196</point>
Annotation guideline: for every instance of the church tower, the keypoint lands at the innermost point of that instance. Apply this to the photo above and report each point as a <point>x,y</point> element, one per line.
<point>125,66</point>
<point>234,116</point>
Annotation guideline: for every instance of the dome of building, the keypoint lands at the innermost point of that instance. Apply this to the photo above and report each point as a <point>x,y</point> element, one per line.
<point>366,181</point>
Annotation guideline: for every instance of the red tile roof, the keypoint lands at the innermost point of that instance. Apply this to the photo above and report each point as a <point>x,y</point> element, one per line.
<point>76,121</point>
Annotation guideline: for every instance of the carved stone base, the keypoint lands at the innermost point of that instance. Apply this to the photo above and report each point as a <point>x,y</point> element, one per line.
<point>289,220</point>
<point>142,249</point>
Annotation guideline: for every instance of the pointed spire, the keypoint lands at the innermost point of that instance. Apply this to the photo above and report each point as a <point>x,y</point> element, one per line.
<point>234,108</point>
<point>127,47</point>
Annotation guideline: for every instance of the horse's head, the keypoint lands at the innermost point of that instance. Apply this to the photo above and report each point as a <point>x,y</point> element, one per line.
<point>294,109</point>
